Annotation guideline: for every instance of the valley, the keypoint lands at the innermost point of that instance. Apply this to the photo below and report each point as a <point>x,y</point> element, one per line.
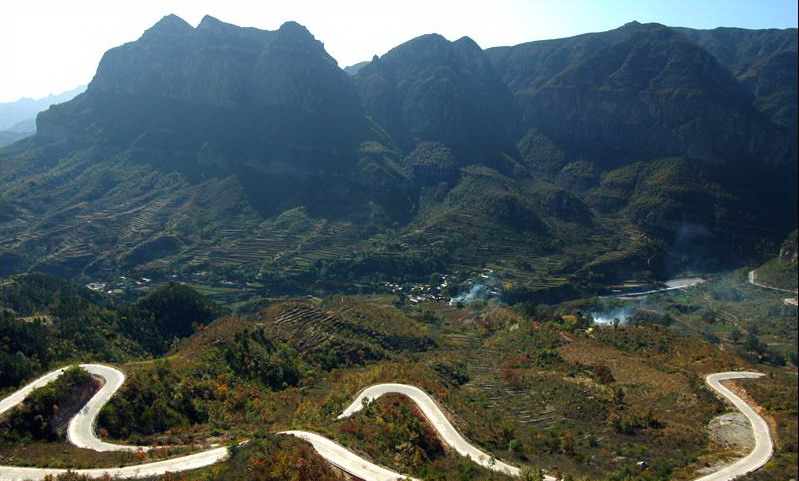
<point>230,259</point>
<point>563,395</point>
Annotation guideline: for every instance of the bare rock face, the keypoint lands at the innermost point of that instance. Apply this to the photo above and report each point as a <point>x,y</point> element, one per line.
<point>788,251</point>
<point>221,64</point>
<point>270,107</point>
<point>222,83</point>
<point>640,91</point>
<point>732,431</point>
<point>431,89</point>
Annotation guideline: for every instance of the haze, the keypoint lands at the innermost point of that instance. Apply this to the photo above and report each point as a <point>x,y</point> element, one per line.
<point>49,46</point>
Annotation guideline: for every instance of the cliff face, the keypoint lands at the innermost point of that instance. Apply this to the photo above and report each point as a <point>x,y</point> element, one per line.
<point>223,65</point>
<point>431,89</point>
<point>270,107</point>
<point>234,93</point>
<point>764,61</point>
<point>636,92</point>
<point>611,144</point>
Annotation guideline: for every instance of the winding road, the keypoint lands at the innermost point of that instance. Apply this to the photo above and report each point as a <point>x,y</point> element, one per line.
<point>81,433</point>
<point>764,447</point>
<point>348,461</point>
<point>788,301</point>
<point>437,418</point>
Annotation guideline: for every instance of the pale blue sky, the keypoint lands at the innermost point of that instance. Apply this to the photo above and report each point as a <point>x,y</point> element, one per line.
<point>49,46</point>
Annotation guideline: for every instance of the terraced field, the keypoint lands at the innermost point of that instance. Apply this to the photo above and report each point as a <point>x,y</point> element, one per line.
<point>342,332</point>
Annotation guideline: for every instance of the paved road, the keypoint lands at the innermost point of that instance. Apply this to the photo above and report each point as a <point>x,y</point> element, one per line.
<point>19,395</point>
<point>439,421</point>
<point>80,432</point>
<point>671,285</point>
<point>334,453</point>
<point>184,463</point>
<point>348,461</point>
<point>753,280</point>
<point>81,429</point>
<point>788,301</point>
<point>764,447</point>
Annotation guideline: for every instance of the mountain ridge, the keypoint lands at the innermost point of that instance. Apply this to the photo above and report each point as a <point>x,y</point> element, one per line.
<point>595,152</point>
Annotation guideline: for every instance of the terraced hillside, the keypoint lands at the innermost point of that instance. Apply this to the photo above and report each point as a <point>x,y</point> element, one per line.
<point>344,333</point>
<point>296,176</point>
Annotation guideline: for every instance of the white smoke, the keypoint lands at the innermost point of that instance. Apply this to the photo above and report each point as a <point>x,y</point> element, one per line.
<point>605,318</point>
<point>485,286</point>
<point>476,292</point>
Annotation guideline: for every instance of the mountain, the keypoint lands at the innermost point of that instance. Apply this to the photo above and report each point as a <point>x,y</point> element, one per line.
<point>8,137</point>
<point>201,127</point>
<point>277,95</point>
<point>18,119</point>
<point>17,114</point>
<point>431,89</point>
<point>561,164</point>
<point>640,91</point>
<point>763,61</point>
<point>648,92</point>
<point>354,68</point>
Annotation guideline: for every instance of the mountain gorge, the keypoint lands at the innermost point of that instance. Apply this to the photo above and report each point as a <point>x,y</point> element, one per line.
<point>636,152</point>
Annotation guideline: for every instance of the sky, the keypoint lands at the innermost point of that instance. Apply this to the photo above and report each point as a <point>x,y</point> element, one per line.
<point>50,46</point>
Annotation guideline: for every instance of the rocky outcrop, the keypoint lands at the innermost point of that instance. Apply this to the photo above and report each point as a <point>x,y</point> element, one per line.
<point>431,89</point>
<point>763,61</point>
<point>788,251</point>
<point>636,92</point>
<point>246,92</point>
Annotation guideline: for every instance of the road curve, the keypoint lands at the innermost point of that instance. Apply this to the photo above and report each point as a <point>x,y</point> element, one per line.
<point>80,432</point>
<point>81,429</point>
<point>331,451</point>
<point>438,419</point>
<point>346,460</point>
<point>752,277</point>
<point>764,447</point>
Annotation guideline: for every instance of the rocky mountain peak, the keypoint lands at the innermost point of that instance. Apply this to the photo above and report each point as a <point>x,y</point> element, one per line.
<point>213,24</point>
<point>630,25</point>
<point>427,48</point>
<point>170,26</point>
<point>431,89</point>
<point>467,44</point>
<point>295,31</point>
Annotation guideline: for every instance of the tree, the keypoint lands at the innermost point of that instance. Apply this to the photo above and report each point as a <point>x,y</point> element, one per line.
<point>532,474</point>
<point>603,374</point>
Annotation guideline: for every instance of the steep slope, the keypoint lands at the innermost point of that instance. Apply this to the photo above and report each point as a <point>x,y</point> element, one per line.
<point>600,102</point>
<point>272,107</point>
<point>636,92</point>
<point>431,89</point>
<point>188,131</point>
<point>252,155</point>
<point>764,61</point>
